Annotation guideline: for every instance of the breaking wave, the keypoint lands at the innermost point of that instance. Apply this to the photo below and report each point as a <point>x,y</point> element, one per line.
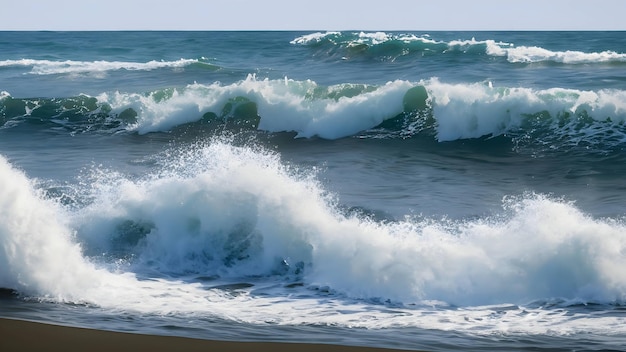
<point>192,237</point>
<point>392,46</point>
<point>95,68</point>
<point>554,118</point>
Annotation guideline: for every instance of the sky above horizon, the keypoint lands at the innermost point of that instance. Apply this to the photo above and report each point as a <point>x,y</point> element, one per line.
<point>313,15</point>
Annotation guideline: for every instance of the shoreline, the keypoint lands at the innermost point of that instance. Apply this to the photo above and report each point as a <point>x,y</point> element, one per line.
<point>22,335</point>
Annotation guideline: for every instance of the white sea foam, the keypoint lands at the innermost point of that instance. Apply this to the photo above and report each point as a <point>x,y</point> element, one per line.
<point>460,110</point>
<point>513,53</point>
<point>50,67</point>
<point>221,200</point>
<point>529,54</point>
<point>237,212</point>
<point>369,38</point>
<point>313,37</point>
<point>374,38</point>
<point>474,110</point>
<point>37,254</point>
<point>212,202</point>
<point>284,105</point>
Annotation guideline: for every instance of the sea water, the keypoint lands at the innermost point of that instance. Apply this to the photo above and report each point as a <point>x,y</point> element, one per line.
<point>416,190</point>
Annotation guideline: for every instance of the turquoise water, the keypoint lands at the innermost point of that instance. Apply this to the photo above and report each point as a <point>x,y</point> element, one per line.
<point>439,191</point>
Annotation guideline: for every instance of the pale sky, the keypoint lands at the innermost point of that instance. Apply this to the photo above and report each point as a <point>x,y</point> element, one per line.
<point>313,15</point>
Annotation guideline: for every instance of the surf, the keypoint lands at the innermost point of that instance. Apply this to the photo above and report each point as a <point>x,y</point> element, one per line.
<point>97,68</point>
<point>237,213</point>
<point>395,46</point>
<point>558,118</point>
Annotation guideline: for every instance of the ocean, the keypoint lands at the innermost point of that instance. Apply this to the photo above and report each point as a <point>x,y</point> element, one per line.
<point>431,191</point>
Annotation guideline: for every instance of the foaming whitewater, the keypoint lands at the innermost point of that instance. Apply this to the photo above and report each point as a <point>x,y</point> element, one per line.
<point>41,258</point>
<point>474,110</point>
<point>238,214</point>
<point>530,54</point>
<point>542,249</point>
<point>283,105</point>
<point>50,67</point>
<point>38,251</point>
<point>555,116</point>
<point>219,210</point>
<point>396,45</point>
<point>454,190</point>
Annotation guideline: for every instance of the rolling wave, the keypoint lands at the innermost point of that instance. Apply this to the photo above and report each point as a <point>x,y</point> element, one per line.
<point>555,118</point>
<point>218,213</point>
<point>392,46</point>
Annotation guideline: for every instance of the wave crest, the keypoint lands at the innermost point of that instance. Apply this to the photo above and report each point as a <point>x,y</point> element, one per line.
<point>94,68</point>
<point>233,212</point>
<point>391,46</point>
<point>556,118</point>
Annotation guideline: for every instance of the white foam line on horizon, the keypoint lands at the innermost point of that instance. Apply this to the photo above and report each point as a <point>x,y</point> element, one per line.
<point>48,67</point>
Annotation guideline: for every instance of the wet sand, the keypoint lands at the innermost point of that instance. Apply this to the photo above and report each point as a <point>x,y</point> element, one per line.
<point>19,335</point>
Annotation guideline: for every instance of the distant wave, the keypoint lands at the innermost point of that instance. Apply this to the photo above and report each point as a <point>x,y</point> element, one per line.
<point>51,67</point>
<point>525,54</point>
<point>392,46</point>
<point>557,117</point>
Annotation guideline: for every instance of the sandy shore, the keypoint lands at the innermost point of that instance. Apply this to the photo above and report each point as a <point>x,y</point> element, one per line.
<point>18,335</point>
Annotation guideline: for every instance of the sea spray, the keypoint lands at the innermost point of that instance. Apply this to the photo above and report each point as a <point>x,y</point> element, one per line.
<point>41,259</point>
<point>37,251</point>
<point>234,212</point>
<point>310,241</point>
<point>218,210</point>
<point>238,214</point>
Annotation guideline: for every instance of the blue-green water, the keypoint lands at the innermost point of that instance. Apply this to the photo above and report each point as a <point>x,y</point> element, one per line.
<point>438,191</point>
